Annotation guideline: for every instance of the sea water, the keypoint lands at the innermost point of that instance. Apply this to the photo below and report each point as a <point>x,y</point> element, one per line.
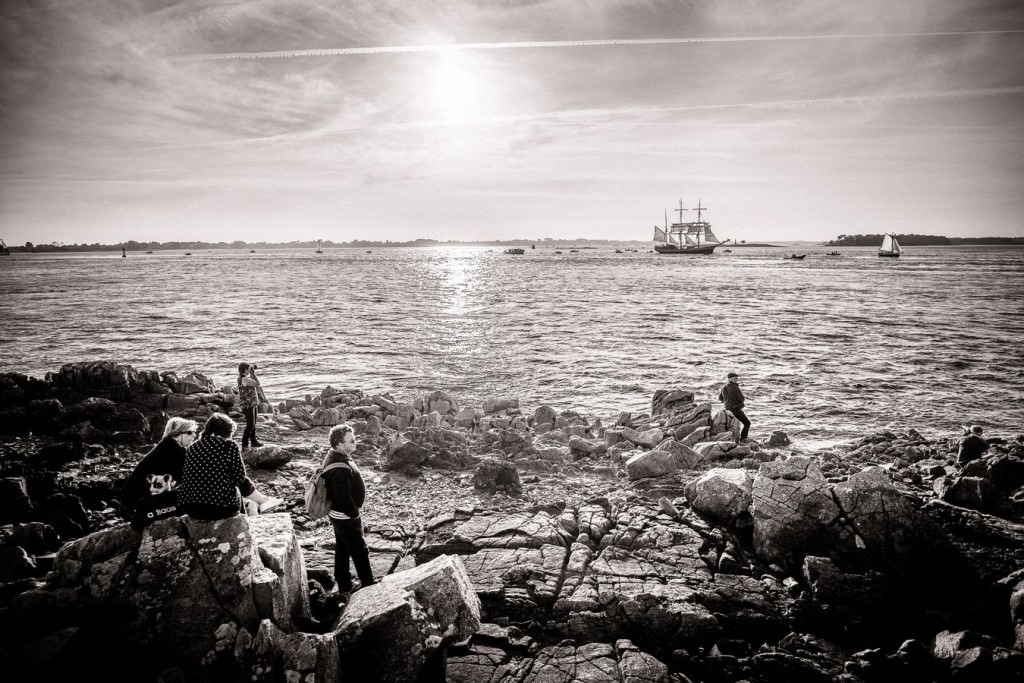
<point>828,348</point>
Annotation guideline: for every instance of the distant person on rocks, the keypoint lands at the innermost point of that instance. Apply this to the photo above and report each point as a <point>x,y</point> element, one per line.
<point>732,396</point>
<point>214,475</point>
<point>164,461</point>
<point>346,491</point>
<point>972,445</point>
<point>249,394</point>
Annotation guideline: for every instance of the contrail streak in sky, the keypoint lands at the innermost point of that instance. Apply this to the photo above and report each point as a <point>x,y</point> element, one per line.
<point>397,49</point>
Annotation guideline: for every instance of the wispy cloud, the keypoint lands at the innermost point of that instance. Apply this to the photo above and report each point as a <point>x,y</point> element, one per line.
<point>607,42</point>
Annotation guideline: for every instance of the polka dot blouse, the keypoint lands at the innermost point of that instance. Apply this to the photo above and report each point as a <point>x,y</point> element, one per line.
<point>213,474</point>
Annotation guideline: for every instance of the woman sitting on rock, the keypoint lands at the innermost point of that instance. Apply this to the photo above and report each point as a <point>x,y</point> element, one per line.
<point>165,460</point>
<point>214,474</point>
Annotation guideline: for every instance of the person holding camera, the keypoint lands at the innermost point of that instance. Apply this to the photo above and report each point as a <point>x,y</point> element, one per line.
<point>249,394</point>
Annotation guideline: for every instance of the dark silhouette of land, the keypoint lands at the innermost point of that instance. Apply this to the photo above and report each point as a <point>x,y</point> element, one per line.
<point>921,241</point>
<point>537,244</point>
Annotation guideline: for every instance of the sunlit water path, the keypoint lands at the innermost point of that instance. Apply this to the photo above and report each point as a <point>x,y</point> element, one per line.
<point>828,348</point>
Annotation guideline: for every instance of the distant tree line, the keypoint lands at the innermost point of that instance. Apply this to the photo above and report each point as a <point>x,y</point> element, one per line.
<point>919,240</point>
<point>134,246</point>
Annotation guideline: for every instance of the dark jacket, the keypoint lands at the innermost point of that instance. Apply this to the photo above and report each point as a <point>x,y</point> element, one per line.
<point>345,487</point>
<point>731,396</point>
<point>972,447</point>
<point>156,507</point>
<point>167,457</point>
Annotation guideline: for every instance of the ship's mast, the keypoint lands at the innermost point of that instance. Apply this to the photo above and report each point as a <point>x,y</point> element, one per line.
<point>679,232</point>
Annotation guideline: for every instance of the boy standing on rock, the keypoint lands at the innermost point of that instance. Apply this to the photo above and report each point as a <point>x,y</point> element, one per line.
<point>732,396</point>
<point>346,491</point>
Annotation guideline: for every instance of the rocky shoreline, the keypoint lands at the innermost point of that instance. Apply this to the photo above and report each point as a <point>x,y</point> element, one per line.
<point>656,548</point>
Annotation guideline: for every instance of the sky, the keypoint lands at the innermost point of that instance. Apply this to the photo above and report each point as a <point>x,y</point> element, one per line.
<point>274,120</point>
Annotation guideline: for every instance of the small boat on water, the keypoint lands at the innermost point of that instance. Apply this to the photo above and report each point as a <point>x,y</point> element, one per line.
<point>4,251</point>
<point>890,247</point>
<point>832,253</point>
<point>515,251</point>
<point>727,251</point>
<point>188,253</point>
<point>795,257</point>
<point>693,237</point>
<point>319,248</point>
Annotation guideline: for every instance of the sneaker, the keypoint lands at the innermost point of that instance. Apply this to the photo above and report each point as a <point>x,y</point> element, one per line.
<point>269,504</point>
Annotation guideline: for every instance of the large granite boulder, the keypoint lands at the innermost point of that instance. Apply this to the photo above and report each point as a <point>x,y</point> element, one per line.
<point>391,631</point>
<point>685,457</point>
<point>725,421</point>
<point>266,457</point>
<point>668,400</point>
<point>493,474</point>
<point>173,592</point>
<point>897,537</point>
<point>722,494</point>
<point>650,464</point>
<point>794,512</point>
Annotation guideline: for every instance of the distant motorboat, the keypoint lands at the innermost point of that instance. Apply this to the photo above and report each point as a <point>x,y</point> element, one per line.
<point>890,247</point>
<point>833,253</point>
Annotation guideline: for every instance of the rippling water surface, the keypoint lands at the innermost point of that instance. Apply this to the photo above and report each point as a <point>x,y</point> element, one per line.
<point>828,348</point>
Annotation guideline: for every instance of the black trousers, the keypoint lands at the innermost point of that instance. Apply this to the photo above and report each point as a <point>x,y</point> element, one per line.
<point>349,543</point>
<point>249,433</point>
<point>742,417</point>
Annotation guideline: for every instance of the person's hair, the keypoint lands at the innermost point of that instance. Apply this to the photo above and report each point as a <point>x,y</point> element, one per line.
<point>338,432</point>
<point>220,425</point>
<point>976,429</point>
<point>179,425</point>
<point>243,368</point>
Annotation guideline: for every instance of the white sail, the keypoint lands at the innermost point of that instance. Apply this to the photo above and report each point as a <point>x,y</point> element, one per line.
<point>710,236</point>
<point>659,235</point>
<point>896,246</point>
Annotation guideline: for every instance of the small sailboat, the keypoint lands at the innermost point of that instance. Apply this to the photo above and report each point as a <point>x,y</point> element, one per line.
<point>890,247</point>
<point>123,254</point>
<point>319,248</point>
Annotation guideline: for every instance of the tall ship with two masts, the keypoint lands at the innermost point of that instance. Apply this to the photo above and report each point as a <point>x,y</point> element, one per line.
<point>694,237</point>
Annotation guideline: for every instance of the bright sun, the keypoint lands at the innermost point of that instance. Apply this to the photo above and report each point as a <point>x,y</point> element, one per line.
<point>454,89</point>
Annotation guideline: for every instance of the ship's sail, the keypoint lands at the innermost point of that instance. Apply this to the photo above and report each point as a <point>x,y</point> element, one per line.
<point>890,246</point>
<point>710,236</point>
<point>659,235</point>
